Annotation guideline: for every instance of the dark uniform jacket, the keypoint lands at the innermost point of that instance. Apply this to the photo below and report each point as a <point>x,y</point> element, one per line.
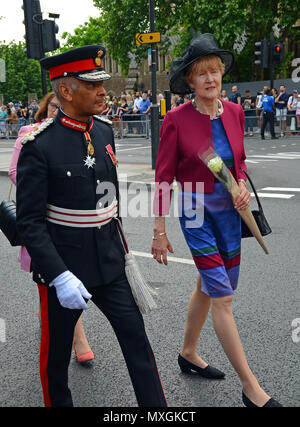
<point>51,170</point>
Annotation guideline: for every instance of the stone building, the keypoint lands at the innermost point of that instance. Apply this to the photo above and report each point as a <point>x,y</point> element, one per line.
<point>138,78</point>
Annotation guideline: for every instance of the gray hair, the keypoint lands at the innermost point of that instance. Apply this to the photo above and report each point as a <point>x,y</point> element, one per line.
<point>67,81</point>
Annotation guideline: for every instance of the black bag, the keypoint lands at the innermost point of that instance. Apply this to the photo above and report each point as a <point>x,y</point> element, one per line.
<point>8,221</point>
<point>259,217</point>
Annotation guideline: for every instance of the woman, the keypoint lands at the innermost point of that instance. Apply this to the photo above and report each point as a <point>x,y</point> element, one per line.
<point>187,132</point>
<point>224,96</point>
<point>3,117</point>
<point>48,109</point>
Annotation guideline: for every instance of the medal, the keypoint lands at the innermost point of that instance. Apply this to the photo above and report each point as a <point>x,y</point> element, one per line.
<point>89,161</point>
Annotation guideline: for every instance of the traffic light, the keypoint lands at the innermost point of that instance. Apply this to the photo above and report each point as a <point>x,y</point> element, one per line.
<point>278,53</point>
<point>32,21</point>
<point>262,54</point>
<point>50,29</point>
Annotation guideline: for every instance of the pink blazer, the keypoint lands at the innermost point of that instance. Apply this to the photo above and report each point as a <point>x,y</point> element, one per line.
<point>24,257</point>
<point>184,133</point>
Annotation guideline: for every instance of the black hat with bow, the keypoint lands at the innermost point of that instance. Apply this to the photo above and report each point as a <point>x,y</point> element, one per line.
<point>200,46</point>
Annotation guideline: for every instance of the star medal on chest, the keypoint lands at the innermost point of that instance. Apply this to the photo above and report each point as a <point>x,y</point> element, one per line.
<point>89,161</point>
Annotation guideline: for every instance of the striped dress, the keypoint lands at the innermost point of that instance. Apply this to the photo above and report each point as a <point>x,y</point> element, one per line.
<point>214,234</point>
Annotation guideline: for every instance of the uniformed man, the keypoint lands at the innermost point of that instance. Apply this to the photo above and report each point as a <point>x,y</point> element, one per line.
<point>67,202</point>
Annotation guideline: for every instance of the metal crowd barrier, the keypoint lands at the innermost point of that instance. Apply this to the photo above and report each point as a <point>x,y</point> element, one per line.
<point>131,125</point>
<point>137,125</point>
<point>288,124</point>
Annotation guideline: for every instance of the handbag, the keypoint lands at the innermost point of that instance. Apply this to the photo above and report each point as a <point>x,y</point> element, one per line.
<point>8,221</point>
<point>259,216</point>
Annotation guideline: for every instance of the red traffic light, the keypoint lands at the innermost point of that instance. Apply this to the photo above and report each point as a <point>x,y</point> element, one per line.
<point>277,49</point>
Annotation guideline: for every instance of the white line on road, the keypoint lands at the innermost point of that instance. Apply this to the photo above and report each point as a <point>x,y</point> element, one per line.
<point>274,195</point>
<point>280,189</point>
<point>170,258</point>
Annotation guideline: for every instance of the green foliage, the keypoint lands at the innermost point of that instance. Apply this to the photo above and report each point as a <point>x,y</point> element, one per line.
<point>23,75</point>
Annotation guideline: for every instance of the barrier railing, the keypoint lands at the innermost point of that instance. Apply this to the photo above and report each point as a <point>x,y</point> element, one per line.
<point>137,125</point>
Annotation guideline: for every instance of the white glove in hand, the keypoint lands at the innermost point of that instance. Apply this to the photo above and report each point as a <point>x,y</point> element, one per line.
<point>70,291</point>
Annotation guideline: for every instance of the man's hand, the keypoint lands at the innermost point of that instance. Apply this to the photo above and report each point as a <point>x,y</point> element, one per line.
<point>70,291</point>
<point>160,246</point>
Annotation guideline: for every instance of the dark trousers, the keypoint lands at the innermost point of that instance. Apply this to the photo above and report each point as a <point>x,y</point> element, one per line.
<point>268,117</point>
<point>58,323</point>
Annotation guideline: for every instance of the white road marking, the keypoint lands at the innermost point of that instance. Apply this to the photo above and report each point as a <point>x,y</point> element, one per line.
<point>280,189</point>
<point>274,195</point>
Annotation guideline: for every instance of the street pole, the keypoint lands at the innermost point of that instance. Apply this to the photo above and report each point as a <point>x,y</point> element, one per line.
<point>154,116</point>
<point>271,61</point>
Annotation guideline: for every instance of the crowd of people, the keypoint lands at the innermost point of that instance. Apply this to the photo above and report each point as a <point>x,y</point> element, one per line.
<point>136,107</point>
<point>14,115</point>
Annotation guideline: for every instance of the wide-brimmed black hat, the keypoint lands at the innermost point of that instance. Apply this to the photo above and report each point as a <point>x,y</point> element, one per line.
<point>201,45</point>
<point>84,63</point>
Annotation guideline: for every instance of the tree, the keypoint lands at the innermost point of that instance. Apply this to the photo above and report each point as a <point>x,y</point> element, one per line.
<point>23,75</point>
<point>226,19</point>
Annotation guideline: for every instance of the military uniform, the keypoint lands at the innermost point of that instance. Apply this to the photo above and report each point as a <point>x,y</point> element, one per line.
<point>63,188</point>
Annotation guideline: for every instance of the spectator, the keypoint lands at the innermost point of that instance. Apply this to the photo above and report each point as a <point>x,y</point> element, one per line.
<point>224,95</point>
<point>137,103</point>
<point>186,98</point>
<point>12,122</point>
<point>235,96</point>
<point>26,115</point>
<point>145,112</point>
<point>174,101</point>
<point>179,101</point>
<point>281,108</point>
<point>268,114</point>
<point>112,112</point>
<point>292,107</point>
<point>20,114</point>
<point>298,114</point>
<point>248,104</point>
<point>258,104</point>
<point>3,117</point>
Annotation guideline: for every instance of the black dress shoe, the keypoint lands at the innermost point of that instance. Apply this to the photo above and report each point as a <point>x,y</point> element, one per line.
<point>271,403</point>
<point>208,372</point>
<point>274,137</point>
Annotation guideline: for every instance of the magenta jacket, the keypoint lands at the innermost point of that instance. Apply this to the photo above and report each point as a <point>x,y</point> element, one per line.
<point>24,257</point>
<point>184,133</point>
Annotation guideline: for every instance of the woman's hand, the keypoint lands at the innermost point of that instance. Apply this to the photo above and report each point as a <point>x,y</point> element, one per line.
<point>160,246</point>
<point>243,199</point>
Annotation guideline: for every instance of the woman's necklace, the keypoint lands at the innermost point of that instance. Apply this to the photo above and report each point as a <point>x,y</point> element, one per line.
<point>215,115</point>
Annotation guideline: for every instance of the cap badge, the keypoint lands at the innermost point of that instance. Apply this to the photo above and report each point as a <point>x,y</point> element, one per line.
<point>98,58</point>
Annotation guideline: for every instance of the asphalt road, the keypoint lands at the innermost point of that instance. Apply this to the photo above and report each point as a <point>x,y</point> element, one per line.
<point>266,303</point>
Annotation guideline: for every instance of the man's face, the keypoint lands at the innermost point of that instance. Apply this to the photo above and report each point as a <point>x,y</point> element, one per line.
<point>282,88</point>
<point>89,97</point>
<point>137,94</point>
<point>248,94</point>
<point>234,89</point>
<point>144,96</point>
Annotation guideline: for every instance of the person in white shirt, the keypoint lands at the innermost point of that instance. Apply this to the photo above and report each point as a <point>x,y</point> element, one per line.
<point>292,107</point>
<point>137,103</point>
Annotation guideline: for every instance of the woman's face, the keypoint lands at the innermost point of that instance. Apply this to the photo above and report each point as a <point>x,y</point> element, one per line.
<point>206,80</point>
<point>53,107</point>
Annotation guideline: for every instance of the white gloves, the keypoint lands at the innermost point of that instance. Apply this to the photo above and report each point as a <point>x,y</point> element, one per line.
<point>70,291</point>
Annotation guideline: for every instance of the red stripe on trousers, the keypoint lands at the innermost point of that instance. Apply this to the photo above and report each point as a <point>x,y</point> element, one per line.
<point>44,348</point>
<point>233,262</point>
<point>160,379</point>
<point>205,262</point>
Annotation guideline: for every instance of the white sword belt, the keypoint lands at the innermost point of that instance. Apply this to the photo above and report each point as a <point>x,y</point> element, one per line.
<point>82,218</point>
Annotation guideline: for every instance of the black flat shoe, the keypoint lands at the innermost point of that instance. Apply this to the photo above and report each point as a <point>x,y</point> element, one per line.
<point>271,403</point>
<point>208,372</point>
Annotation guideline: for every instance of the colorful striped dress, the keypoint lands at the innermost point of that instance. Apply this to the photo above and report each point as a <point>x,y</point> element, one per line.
<point>214,238</point>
